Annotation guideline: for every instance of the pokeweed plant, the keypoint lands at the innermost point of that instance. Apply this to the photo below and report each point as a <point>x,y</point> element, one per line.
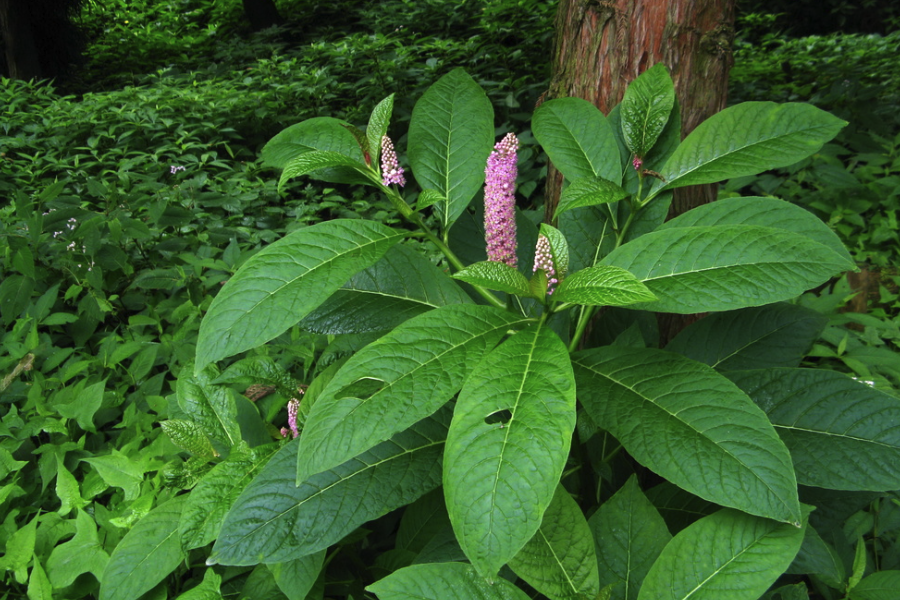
<point>520,390</point>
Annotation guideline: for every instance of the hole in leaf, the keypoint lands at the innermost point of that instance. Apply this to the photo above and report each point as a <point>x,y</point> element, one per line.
<point>501,416</point>
<point>363,389</point>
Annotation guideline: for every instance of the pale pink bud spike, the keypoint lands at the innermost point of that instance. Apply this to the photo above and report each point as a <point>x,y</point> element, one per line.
<point>391,173</point>
<point>543,259</point>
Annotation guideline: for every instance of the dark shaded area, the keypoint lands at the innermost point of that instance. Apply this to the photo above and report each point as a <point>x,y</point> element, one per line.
<point>799,18</point>
<point>38,38</point>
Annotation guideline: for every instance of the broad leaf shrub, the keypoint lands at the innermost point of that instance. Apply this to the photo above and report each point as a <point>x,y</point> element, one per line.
<point>520,440</point>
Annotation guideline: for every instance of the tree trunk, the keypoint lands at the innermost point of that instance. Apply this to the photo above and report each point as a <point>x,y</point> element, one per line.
<point>601,46</point>
<point>261,13</point>
<point>20,49</point>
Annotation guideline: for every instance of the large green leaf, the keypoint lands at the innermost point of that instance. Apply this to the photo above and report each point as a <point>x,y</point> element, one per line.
<point>398,380</point>
<point>146,555</point>
<point>817,557</point>
<point>746,139</point>
<point>82,554</point>
<point>285,281</point>
<point>715,268</point>
<point>210,500</point>
<point>450,137</point>
<point>589,233</point>
<point>629,534</point>
<point>775,335</point>
<point>764,212</point>
<point>883,585</point>
<point>295,578</point>
<point>725,556</point>
<point>319,133</point>
<point>507,446</point>
<point>589,191</point>
<point>274,520</point>
<point>578,139</point>
<point>559,560</point>
<point>208,589</point>
<point>645,109</point>
<point>401,285</point>
<point>210,406</point>
<point>495,276</point>
<point>691,425</point>
<point>422,521</point>
<point>842,434</point>
<point>317,160</point>
<point>603,285</point>
<point>443,581</point>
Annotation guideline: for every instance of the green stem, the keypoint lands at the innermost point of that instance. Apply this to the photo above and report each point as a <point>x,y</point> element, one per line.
<point>584,318</point>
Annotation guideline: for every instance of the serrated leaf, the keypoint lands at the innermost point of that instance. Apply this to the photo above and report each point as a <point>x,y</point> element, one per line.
<point>883,585</point>
<point>450,138</point>
<point>775,335</point>
<point>428,198</point>
<point>443,581</point>
<point>645,108</point>
<point>763,212</point>
<point>295,578</point>
<point>377,128</point>
<point>746,139</point>
<point>401,285</point>
<point>578,139</point>
<point>499,477</point>
<point>629,535</point>
<point>725,556</point>
<point>316,160</point>
<point>274,520</point>
<point>82,554</point>
<point>208,589</point>
<point>285,281</point>
<point>146,555</point>
<point>559,560</point>
<point>691,425</point>
<point>495,276</point>
<point>214,495</point>
<point>603,286</point>
<point>398,380</point>
<point>212,407</point>
<point>319,133</point>
<point>589,191</point>
<point>188,436</point>
<point>842,434</point>
<point>717,268</point>
<point>559,249</point>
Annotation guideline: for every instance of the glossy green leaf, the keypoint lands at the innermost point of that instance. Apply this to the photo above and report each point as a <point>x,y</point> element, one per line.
<point>717,268</point>
<point>118,470</point>
<point>398,380</point>
<point>589,191</point>
<point>775,335</point>
<point>443,581</point>
<point>208,589</point>
<point>67,490</point>
<point>82,554</point>
<point>285,281</point>
<point>883,585</point>
<point>746,139</point>
<point>146,555</point>
<point>20,550</point>
<point>691,425</point>
<point>763,212</point>
<point>188,436</point>
<point>725,556</point>
<point>84,406</point>
<point>319,133</point>
<point>604,286</point>
<point>665,145</point>
<point>210,500</point>
<point>212,407</point>
<point>450,138</point>
<point>629,534</point>
<point>309,162</point>
<point>842,434</point>
<point>645,108</point>
<point>589,233</point>
<point>295,578</point>
<point>817,557</point>
<point>429,198</point>
<point>507,446</point>
<point>39,587</point>
<point>578,139</point>
<point>401,285</point>
<point>377,128</point>
<point>274,520</point>
<point>559,560</point>
<point>422,520</point>
<point>495,276</point>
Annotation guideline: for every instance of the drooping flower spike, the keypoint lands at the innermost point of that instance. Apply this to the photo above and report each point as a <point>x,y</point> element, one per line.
<point>391,173</point>
<point>500,201</point>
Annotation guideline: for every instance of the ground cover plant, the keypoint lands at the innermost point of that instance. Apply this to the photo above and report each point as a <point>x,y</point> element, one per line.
<point>130,208</point>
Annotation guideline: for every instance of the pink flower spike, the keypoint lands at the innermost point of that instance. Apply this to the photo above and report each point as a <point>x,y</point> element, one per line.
<point>293,408</point>
<point>500,201</point>
<point>543,259</point>
<point>391,173</point>
<point>637,163</point>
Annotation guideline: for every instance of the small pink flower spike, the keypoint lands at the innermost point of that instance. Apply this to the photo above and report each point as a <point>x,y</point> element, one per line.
<point>391,173</point>
<point>543,259</point>
<point>293,408</point>
<point>500,201</point>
